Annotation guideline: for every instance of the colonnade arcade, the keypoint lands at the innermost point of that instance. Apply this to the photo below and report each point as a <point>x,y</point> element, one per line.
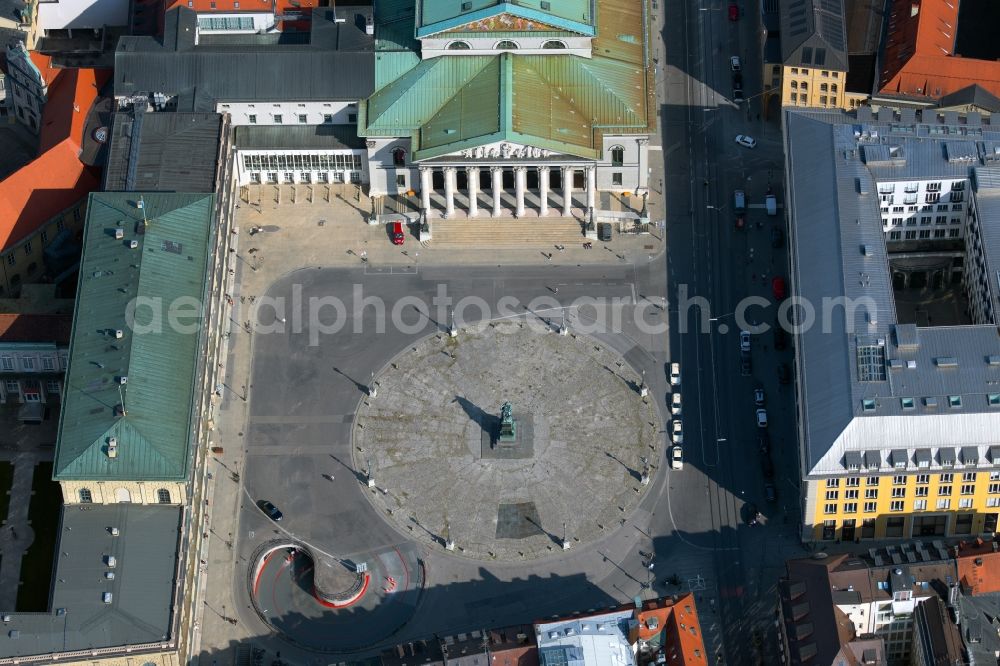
<point>549,183</point>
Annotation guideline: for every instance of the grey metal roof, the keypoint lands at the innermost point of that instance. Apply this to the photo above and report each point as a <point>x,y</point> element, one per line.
<point>298,137</point>
<point>338,64</point>
<point>163,152</point>
<point>974,95</point>
<point>813,34</point>
<point>834,163</point>
<point>142,590</point>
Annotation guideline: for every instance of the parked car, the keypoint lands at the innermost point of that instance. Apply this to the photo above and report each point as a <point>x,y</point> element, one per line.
<point>746,367</point>
<point>396,233</point>
<point>676,457</point>
<point>778,287</point>
<point>741,221</point>
<point>738,95</point>
<point>604,231</point>
<point>784,374</point>
<point>270,510</point>
<point>675,404</point>
<point>777,237</point>
<point>770,492</point>
<point>737,79</point>
<point>780,338</point>
<point>734,12</point>
<point>750,513</point>
<point>744,341</point>
<point>675,374</point>
<point>758,397</point>
<point>761,418</point>
<point>677,432</point>
<point>734,63</point>
<point>746,141</point>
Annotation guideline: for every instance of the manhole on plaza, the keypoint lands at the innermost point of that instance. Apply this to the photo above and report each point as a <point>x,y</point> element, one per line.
<point>566,463</point>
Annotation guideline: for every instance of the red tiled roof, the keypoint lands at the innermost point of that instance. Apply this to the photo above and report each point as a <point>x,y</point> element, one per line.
<point>979,567</point>
<point>678,620</point>
<point>56,179</point>
<point>36,328</point>
<point>44,65</point>
<point>919,59</point>
<point>221,6</point>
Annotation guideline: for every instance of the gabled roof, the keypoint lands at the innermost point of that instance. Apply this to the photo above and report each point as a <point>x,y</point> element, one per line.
<point>486,16</point>
<point>558,102</point>
<point>159,360</point>
<point>813,35</point>
<point>973,95</point>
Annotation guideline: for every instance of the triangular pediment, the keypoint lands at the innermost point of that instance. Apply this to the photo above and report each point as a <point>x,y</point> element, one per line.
<point>505,22</point>
<point>502,151</point>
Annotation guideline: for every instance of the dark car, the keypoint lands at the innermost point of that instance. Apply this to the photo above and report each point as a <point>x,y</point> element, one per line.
<point>780,338</point>
<point>604,231</point>
<point>750,513</point>
<point>764,443</point>
<point>778,287</point>
<point>784,374</point>
<point>269,510</point>
<point>767,467</point>
<point>777,237</point>
<point>737,80</point>
<point>734,12</point>
<point>770,492</point>
<point>746,367</point>
<point>741,220</point>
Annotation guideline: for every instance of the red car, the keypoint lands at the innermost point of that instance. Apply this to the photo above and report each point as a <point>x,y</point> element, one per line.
<point>778,287</point>
<point>396,233</point>
<point>734,12</point>
<point>740,221</point>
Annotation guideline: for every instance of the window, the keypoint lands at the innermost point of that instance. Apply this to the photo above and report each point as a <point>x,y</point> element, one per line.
<point>398,157</point>
<point>823,87</point>
<point>965,503</point>
<point>401,180</point>
<point>616,178</point>
<point>969,476</point>
<point>944,504</point>
<point>85,496</point>
<point>897,505</point>
<point>277,119</point>
<point>994,489</point>
<point>899,492</point>
<point>899,480</point>
<point>968,489</point>
<point>871,507</point>
<point>795,97</point>
<point>911,235</point>
<point>907,403</point>
<point>163,496</point>
<point>833,87</point>
<point>830,508</point>
<point>252,118</point>
<point>992,502</point>
<point>932,197</point>
<point>833,483</point>
<point>923,478</point>
<point>617,156</point>
<point>851,507</point>
<point>303,118</point>
<point>953,233</point>
<point>922,491</point>
<point>944,490</point>
<point>853,482</point>
<point>11,260</point>
<point>12,386</point>
<point>328,118</point>
<point>871,493</point>
<point>939,233</point>
<point>554,44</point>
<point>459,46</point>
<point>352,117</point>
<point>919,505</point>
<point>28,363</point>
<point>850,494</point>
<point>48,363</point>
<point>506,45</point>
<point>44,237</point>
<point>794,85</point>
<point>52,386</point>
<point>946,477</point>
<point>933,187</point>
<point>822,100</point>
<point>6,362</point>
<point>832,495</point>
<point>829,530</point>
<point>871,481</point>
<point>27,248</point>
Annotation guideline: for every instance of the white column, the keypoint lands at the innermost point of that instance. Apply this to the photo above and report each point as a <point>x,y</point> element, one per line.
<point>449,192</point>
<point>425,188</point>
<point>591,188</point>
<point>520,184</point>
<point>642,177</point>
<point>543,186</point>
<point>567,178</point>
<point>472,175</point>
<point>497,173</point>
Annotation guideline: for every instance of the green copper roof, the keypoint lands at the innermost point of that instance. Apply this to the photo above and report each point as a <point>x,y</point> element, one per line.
<point>556,101</point>
<point>442,15</point>
<point>168,267</point>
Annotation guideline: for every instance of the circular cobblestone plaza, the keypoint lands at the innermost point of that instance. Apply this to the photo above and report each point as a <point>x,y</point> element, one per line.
<point>442,470</point>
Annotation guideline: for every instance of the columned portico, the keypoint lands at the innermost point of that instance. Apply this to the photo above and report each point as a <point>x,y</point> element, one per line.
<point>520,184</point>
<point>472,178</point>
<point>497,173</point>
<point>543,191</point>
<point>567,183</point>
<point>425,189</point>
<point>591,188</point>
<point>449,192</point>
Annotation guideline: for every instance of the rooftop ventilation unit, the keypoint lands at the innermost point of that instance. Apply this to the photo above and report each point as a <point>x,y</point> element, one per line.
<point>119,334</point>
<point>123,379</point>
<point>109,575</point>
<point>369,25</point>
<point>946,362</point>
<point>119,233</point>
<point>993,360</point>
<point>114,531</point>
<point>110,561</point>
<point>107,597</point>
<point>112,447</point>
<point>133,244</point>
<point>911,364</point>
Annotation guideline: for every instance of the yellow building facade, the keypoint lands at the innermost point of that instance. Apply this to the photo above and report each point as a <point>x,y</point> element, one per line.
<point>961,502</point>
<point>814,87</point>
<point>21,262</point>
